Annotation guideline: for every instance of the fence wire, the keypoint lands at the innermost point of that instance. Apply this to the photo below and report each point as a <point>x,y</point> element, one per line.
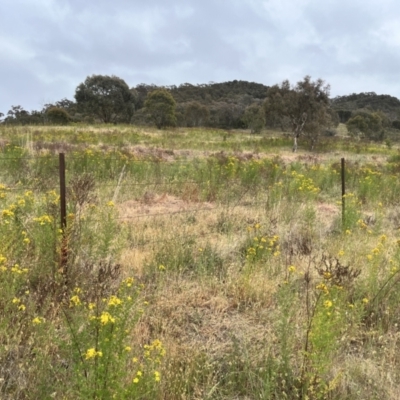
<point>45,186</point>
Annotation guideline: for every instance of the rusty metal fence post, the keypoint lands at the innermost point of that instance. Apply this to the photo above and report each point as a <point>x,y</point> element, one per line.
<point>343,193</point>
<point>63,214</point>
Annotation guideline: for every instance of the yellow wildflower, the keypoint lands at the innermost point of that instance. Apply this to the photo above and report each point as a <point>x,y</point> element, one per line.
<point>322,287</point>
<point>74,301</point>
<point>7,213</point>
<point>114,301</point>
<point>43,219</point>
<point>129,282</point>
<point>327,275</point>
<point>92,353</point>
<point>106,318</point>
<point>328,303</point>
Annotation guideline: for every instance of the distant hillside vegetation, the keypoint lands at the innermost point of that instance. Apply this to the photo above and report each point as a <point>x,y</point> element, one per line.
<point>346,105</point>
<point>233,91</point>
<point>220,105</point>
<point>226,105</point>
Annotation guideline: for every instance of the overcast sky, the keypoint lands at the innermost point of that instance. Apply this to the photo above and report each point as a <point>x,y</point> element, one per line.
<point>48,47</point>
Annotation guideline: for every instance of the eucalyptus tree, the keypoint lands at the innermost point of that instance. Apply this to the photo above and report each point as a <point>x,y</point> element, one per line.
<point>303,107</point>
<point>57,116</point>
<point>196,114</point>
<point>254,118</point>
<point>107,98</point>
<point>160,107</point>
<point>371,125</point>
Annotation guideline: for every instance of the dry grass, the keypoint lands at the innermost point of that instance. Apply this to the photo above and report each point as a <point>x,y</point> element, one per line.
<point>233,324</point>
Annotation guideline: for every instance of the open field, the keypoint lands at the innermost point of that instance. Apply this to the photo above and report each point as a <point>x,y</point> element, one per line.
<point>197,264</point>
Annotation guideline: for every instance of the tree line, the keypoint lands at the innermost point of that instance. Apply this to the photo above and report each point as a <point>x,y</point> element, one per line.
<point>108,99</point>
<point>368,114</point>
<point>304,109</point>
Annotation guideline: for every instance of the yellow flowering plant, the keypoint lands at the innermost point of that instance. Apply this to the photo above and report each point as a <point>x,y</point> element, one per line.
<point>102,356</point>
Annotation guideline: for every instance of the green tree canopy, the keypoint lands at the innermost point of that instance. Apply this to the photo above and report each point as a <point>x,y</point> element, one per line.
<point>196,114</point>
<point>371,125</point>
<point>18,116</point>
<point>107,98</point>
<point>304,107</point>
<point>389,105</point>
<point>161,106</point>
<point>254,118</point>
<point>57,116</point>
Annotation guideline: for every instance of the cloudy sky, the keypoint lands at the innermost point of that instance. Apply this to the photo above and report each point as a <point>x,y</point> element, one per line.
<point>48,47</point>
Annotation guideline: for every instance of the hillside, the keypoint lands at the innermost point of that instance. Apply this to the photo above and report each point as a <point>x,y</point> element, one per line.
<point>344,105</point>
<point>224,105</point>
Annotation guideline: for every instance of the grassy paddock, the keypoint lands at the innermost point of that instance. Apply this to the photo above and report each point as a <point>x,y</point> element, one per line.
<point>197,264</point>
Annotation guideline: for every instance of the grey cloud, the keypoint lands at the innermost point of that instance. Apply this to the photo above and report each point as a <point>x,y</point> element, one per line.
<point>51,46</point>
